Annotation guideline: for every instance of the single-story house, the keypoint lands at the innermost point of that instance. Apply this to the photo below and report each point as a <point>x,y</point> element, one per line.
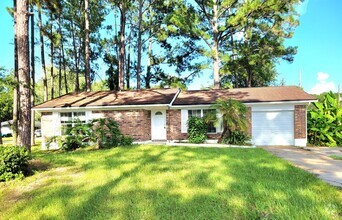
<point>277,115</point>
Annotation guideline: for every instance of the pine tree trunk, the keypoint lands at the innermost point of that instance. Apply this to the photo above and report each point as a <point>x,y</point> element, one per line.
<point>0,135</point>
<point>52,76</point>
<point>62,54</point>
<point>77,82</point>
<point>128,68</point>
<point>33,73</point>
<point>249,77</point>
<point>16,87</point>
<point>216,58</point>
<point>122,49</point>
<point>23,75</point>
<point>87,49</point>
<point>139,44</point>
<point>42,54</point>
<point>149,63</point>
<point>64,69</point>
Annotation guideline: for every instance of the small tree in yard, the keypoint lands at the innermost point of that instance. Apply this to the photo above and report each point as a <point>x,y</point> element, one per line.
<point>234,120</point>
<point>325,122</point>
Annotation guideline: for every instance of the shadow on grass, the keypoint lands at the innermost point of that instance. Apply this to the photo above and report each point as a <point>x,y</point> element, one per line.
<point>182,183</point>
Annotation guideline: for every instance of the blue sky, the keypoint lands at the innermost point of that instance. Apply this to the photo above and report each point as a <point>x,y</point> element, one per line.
<point>318,37</point>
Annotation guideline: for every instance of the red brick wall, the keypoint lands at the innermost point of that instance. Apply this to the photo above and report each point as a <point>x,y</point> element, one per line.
<point>135,123</point>
<point>300,121</point>
<point>173,120</point>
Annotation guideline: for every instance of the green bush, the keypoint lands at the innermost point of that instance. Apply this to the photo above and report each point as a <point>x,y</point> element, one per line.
<point>325,122</point>
<point>197,130</point>
<point>104,132</point>
<point>237,138</point>
<point>13,162</point>
<point>107,134</point>
<point>78,136</point>
<point>126,140</point>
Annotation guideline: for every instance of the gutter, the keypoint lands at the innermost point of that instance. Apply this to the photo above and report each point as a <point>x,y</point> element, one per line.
<point>174,98</point>
<point>102,107</point>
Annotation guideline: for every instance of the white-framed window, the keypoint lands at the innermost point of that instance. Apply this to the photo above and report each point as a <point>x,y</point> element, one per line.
<point>212,127</point>
<point>68,120</point>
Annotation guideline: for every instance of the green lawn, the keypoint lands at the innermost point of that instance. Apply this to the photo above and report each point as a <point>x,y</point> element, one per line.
<point>336,157</point>
<point>160,182</point>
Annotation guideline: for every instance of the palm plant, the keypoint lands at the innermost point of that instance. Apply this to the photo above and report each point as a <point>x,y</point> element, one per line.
<point>233,116</point>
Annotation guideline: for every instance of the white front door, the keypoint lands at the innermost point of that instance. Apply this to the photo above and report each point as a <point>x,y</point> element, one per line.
<point>158,122</point>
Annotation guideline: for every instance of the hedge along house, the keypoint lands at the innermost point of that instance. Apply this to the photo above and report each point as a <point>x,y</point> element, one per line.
<point>277,115</point>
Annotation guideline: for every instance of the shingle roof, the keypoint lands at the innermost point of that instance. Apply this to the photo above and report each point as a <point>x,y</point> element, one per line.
<point>112,98</point>
<point>165,96</point>
<point>246,95</point>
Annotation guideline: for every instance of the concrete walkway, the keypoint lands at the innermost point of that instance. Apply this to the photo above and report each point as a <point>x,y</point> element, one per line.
<point>315,161</point>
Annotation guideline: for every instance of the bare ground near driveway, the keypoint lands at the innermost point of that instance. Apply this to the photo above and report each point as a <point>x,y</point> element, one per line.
<point>316,161</point>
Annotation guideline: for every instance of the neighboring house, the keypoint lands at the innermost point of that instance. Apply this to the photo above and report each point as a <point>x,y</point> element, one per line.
<point>277,115</point>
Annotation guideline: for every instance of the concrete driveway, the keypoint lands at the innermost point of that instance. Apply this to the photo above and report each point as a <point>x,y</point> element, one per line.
<point>313,160</point>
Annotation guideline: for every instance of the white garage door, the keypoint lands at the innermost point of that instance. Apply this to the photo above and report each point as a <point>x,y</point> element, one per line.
<point>273,128</point>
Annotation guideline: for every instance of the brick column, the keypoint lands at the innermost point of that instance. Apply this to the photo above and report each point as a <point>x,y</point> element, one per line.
<point>300,122</point>
<point>249,121</point>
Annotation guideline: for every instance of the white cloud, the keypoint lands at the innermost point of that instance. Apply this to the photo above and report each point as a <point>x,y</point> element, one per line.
<point>321,77</point>
<point>323,85</point>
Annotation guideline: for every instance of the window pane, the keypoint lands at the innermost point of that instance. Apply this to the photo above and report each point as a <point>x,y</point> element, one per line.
<point>211,124</point>
<point>80,116</point>
<point>194,113</point>
<point>206,111</point>
<point>211,127</point>
<point>66,117</point>
<point>68,120</point>
<point>159,113</point>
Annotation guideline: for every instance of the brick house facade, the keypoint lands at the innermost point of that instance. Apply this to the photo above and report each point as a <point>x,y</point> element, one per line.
<point>278,112</point>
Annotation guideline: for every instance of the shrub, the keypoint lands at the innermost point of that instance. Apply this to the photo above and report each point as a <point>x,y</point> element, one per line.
<point>78,136</point>
<point>197,130</point>
<point>126,140</point>
<point>108,134</point>
<point>325,122</point>
<point>237,138</point>
<point>13,162</point>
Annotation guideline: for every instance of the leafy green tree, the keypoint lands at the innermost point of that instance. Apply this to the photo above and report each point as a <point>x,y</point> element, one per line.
<point>325,121</point>
<point>6,98</point>
<point>253,61</point>
<point>216,23</point>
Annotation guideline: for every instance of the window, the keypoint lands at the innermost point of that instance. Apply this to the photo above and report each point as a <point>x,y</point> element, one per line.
<point>210,124</point>
<point>159,113</point>
<point>68,120</point>
<point>195,113</point>
<point>202,113</point>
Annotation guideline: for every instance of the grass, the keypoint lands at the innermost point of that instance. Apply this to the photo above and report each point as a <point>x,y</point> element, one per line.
<point>160,182</point>
<point>336,157</point>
